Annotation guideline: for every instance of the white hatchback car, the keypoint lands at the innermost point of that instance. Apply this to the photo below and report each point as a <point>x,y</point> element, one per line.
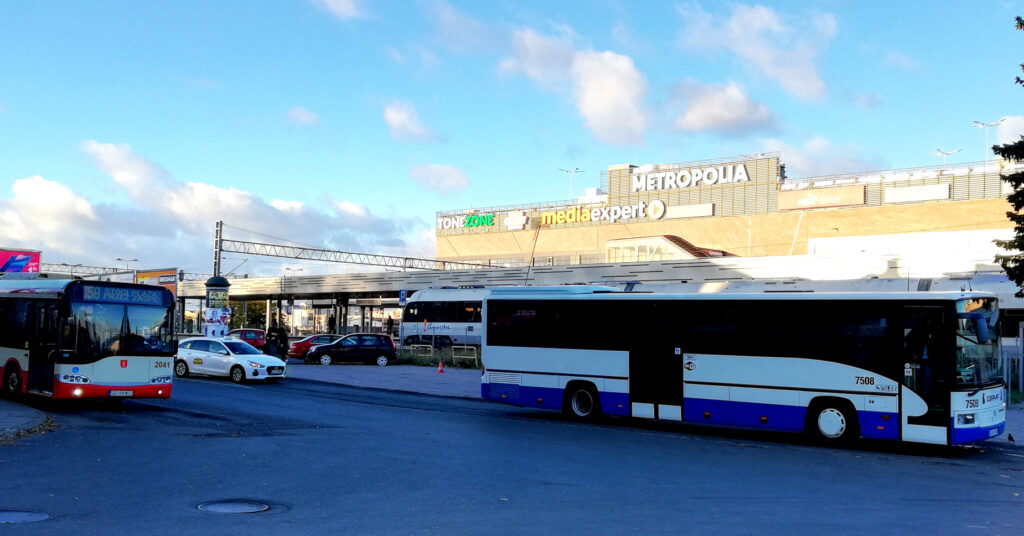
<point>229,357</point>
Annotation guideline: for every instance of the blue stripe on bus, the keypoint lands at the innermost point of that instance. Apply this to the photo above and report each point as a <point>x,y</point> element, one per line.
<point>960,436</point>
<point>719,412</point>
<point>778,417</point>
<point>548,397</point>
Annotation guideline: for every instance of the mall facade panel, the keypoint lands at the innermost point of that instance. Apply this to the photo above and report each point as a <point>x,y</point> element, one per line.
<point>740,206</point>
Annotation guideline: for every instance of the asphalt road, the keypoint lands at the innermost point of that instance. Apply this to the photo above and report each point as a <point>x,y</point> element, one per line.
<point>330,459</point>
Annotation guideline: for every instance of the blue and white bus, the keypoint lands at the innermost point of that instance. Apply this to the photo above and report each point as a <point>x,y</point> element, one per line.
<point>437,313</point>
<point>921,367</point>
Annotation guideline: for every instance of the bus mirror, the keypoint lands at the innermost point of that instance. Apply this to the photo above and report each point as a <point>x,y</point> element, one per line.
<point>981,326</point>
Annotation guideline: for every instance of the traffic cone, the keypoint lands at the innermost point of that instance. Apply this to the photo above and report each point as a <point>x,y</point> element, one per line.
<point>440,367</point>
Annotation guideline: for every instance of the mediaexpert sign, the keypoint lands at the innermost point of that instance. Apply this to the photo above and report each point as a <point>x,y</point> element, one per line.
<point>19,261</point>
<point>167,278</point>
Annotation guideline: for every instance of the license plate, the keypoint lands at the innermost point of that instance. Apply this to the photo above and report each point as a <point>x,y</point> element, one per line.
<point>993,432</point>
<point>121,393</point>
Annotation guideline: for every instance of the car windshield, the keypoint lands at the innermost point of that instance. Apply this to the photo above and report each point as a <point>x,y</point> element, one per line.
<point>241,348</point>
<point>977,343</point>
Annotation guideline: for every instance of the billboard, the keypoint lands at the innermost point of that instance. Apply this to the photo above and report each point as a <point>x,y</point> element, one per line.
<point>167,278</point>
<point>842,196</point>
<point>19,261</point>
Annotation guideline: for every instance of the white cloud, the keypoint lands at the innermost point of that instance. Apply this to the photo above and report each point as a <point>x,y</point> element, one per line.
<point>343,9</point>
<point>606,88</point>
<point>138,176</point>
<point>544,59</point>
<point>899,61</point>
<point>869,100</point>
<point>439,177</point>
<point>170,223</point>
<point>395,55</point>
<point>761,38</point>
<point>404,124</point>
<point>610,95</point>
<point>302,116</point>
<point>457,31</point>
<point>722,109</point>
<point>350,209</point>
<point>1010,130</point>
<point>820,157</point>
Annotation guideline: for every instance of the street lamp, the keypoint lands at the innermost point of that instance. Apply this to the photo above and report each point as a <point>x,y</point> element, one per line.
<point>944,154</point>
<point>986,126</point>
<point>286,270</point>
<point>126,261</point>
<point>571,173</point>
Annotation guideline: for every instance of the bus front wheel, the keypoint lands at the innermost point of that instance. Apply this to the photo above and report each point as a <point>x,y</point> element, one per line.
<point>582,402</point>
<point>832,421</point>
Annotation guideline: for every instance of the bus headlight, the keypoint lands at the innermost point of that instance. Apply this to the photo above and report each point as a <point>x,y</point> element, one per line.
<point>965,418</point>
<point>254,364</point>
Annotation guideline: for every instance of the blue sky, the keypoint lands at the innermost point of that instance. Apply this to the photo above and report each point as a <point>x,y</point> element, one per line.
<point>128,128</point>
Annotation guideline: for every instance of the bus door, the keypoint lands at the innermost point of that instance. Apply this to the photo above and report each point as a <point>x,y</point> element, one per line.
<point>42,336</point>
<point>927,366</point>
<point>656,383</point>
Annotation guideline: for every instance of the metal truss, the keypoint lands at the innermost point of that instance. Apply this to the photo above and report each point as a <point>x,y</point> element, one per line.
<point>328,255</point>
<point>65,268</point>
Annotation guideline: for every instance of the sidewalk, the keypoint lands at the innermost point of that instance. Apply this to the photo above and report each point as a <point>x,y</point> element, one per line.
<point>454,382</point>
<point>15,417</point>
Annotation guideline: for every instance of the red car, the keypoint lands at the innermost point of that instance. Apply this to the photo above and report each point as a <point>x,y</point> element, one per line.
<point>299,349</point>
<point>255,337</point>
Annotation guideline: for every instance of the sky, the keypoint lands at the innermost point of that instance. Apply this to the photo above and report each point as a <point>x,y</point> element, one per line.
<point>127,129</point>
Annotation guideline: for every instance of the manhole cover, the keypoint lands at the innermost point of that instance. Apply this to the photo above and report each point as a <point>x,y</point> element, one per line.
<point>234,507</point>
<point>20,516</point>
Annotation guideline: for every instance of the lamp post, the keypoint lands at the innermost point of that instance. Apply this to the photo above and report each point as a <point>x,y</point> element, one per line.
<point>986,126</point>
<point>944,154</point>
<point>572,172</point>
<point>126,261</point>
<point>286,270</point>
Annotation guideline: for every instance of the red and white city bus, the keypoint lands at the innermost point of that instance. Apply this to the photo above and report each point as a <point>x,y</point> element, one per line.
<point>86,339</point>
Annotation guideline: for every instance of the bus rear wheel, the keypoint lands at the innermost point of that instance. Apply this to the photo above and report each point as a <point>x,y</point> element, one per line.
<point>12,382</point>
<point>582,402</point>
<point>832,422</point>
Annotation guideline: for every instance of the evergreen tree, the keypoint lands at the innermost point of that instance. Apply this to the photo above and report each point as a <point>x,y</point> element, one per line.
<point>1014,152</point>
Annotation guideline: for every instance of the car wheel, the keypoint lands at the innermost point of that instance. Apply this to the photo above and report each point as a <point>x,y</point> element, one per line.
<point>325,359</point>
<point>382,361</point>
<point>237,374</point>
<point>181,369</point>
<point>12,382</point>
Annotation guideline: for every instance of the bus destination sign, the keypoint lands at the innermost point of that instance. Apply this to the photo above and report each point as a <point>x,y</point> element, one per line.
<point>132,296</point>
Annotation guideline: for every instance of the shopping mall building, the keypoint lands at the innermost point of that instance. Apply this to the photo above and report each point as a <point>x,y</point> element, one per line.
<point>742,206</point>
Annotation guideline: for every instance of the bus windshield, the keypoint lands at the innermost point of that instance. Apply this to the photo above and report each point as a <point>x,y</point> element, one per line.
<point>98,330</point>
<point>977,343</point>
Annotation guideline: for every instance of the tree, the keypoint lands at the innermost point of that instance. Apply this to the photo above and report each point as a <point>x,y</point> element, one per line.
<point>1013,264</point>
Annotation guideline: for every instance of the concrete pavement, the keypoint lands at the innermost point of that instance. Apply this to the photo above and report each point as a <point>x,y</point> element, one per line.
<point>454,382</point>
